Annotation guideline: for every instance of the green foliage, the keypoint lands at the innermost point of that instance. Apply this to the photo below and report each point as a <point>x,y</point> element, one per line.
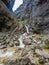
<point>22,22</point>
<point>47,45</point>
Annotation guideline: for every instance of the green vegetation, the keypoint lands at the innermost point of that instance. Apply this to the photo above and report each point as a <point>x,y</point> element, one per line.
<point>22,22</point>
<point>47,45</point>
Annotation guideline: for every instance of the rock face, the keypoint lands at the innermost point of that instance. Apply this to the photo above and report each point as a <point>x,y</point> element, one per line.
<point>34,11</point>
<point>9,3</point>
<point>22,61</point>
<point>6,17</point>
<point>7,20</point>
<point>19,12</point>
<point>33,7</point>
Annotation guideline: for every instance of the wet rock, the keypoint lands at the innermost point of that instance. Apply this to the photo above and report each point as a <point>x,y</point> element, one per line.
<point>11,44</point>
<point>27,41</point>
<point>21,61</point>
<point>41,60</point>
<point>3,46</point>
<point>25,51</point>
<point>9,4</point>
<point>46,56</point>
<point>46,63</point>
<point>34,62</point>
<point>39,52</point>
<point>16,43</point>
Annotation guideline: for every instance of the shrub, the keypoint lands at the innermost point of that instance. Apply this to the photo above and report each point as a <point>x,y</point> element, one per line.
<point>22,22</point>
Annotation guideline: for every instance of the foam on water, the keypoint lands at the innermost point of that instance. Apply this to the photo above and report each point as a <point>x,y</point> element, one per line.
<point>21,42</point>
<point>27,28</point>
<point>1,64</point>
<point>7,54</point>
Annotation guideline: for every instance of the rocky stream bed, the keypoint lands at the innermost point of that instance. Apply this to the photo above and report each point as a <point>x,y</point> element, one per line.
<point>24,49</point>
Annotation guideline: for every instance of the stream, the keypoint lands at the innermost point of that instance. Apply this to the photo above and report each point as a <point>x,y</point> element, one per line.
<point>7,54</point>
<point>27,28</point>
<point>21,42</point>
<point>1,64</point>
<point>21,37</point>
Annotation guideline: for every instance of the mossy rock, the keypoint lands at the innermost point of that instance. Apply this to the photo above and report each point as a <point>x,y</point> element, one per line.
<point>47,44</point>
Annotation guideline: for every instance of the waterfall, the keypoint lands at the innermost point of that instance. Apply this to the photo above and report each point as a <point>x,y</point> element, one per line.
<point>27,28</point>
<point>21,42</point>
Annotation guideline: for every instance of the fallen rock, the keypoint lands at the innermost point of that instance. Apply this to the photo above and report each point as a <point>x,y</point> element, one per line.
<point>27,41</point>
<point>41,53</point>
<point>46,63</point>
<point>21,61</point>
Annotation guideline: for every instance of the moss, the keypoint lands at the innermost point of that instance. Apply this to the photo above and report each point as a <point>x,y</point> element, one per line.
<point>22,22</point>
<point>47,45</point>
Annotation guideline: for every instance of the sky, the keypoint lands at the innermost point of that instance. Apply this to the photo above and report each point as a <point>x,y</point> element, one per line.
<point>17,3</point>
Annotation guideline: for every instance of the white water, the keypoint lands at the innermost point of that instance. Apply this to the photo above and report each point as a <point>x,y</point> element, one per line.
<point>27,28</point>
<point>7,54</point>
<point>21,42</point>
<point>1,64</point>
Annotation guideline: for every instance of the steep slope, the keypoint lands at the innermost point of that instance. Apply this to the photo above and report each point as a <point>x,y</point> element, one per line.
<point>9,3</point>
<point>35,12</point>
<point>6,17</point>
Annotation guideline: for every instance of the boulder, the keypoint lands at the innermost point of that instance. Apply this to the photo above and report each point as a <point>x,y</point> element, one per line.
<point>21,61</point>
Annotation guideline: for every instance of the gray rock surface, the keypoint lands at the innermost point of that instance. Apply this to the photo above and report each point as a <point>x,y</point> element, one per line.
<point>6,17</point>
<point>35,12</point>
<point>9,3</point>
<point>22,61</point>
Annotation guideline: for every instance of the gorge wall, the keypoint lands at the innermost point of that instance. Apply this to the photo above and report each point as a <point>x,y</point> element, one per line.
<point>7,18</point>
<point>35,12</point>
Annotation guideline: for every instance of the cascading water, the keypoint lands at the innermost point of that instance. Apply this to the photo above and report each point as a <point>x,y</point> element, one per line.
<point>22,36</point>
<point>27,28</point>
<point>21,42</point>
<point>1,64</point>
<point>7,54</point>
